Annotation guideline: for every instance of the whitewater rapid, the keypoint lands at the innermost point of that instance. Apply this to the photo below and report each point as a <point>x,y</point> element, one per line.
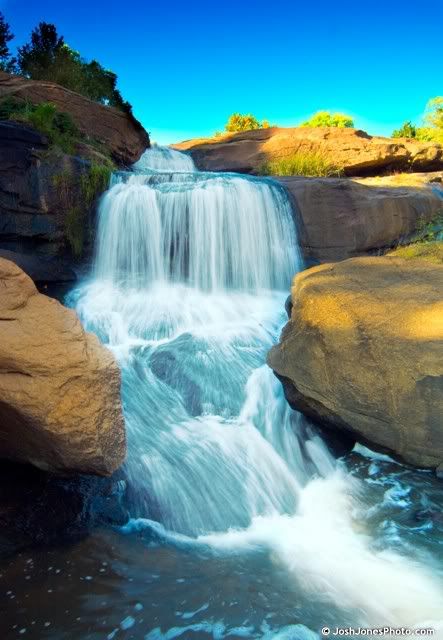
<point>190,278</point>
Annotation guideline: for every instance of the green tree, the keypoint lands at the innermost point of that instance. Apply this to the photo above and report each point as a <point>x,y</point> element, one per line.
<point>407,130</point>
<point>39,58</point>
<point>48,57</point>
<point>434,116</point>
<point>328,119</point>
<point>6,61</point>
<point>244,122</point>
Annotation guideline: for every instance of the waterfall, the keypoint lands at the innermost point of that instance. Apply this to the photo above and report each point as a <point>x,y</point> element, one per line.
<point>212,231</point>
<point>191,273</point>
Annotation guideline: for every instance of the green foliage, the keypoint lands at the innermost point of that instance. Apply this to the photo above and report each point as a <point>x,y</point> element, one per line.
<point>41,53</point>
<point>244,122</point>
<point>57,126</point>
<point>407,130</point>
<point>78,195</point>
<point>48,57</point>
<point>426,244</point>
<point>431,230</point>
<point>433,131</point>
<point>301,163</point>
<point>94,183</point>
<point>6,61</point>
<point>328,119</point>
<point>434,115</point>
<point>430,251</point>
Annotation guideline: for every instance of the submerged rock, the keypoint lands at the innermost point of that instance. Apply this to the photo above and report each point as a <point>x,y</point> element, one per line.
<point>363,353</point>
<point>60,404</point>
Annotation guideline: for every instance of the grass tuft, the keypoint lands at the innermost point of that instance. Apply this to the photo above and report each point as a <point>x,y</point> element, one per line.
<point>302,163</point>
<point>431,251</point>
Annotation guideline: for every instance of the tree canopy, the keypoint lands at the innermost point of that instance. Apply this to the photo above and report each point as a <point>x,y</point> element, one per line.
<point>5,38</point>
<point>328,119</point>
<point>244,122</point>
<point>46,56</point>
<point>433,121</point>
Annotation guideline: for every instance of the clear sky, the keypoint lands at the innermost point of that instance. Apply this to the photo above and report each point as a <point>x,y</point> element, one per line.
<point>186,65</point>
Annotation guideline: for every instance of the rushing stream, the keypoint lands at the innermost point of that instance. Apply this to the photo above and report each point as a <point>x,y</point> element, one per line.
<point>242,524</point>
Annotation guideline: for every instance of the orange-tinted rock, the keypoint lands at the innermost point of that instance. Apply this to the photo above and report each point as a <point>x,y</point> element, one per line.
<point>352,150</point>
<point>60,406</point>
<point>363,353</point>
<point>122,135</point>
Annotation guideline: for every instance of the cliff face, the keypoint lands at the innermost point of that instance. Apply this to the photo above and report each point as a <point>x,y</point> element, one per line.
<point>47,200</point>
<point>48,197</point>
<point>119,133</point>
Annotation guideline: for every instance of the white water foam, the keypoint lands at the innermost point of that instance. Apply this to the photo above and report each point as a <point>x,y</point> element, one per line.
<point>189,287</point>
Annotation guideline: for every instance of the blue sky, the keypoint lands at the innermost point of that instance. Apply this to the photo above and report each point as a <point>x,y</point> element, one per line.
<point>185,66</point>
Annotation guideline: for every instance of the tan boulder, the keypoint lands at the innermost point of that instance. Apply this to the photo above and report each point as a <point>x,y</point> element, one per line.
<point>60,404</point>
<point>121,134</point>
<point>363,353</point>
<point>352,150</point>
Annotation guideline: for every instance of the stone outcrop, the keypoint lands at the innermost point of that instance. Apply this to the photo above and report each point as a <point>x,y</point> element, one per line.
<point>121,134</point>
<point>43,211</point>
<point>353,151</point>
<point>338,218</point>
<point>59,388</point>
<point>363,353</point>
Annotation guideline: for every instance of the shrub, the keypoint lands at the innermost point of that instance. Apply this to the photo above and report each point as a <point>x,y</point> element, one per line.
<point>239,122</point>
<point>301,163</point>
<point>427,243</point>
<point>57,126</point>
<point>78,196</point>
<point>328,119</point>
<point>407,130</point>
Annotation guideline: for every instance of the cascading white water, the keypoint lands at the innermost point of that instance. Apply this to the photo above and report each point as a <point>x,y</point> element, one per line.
<point>191,274</point>
<point>164,159</point>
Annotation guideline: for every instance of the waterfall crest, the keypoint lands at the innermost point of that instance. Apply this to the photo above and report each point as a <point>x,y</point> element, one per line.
<point>214,232</point>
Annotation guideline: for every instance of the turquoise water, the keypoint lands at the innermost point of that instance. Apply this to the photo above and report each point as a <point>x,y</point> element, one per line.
<point>239,523</point>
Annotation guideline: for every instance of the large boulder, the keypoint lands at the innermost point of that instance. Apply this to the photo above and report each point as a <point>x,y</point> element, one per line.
<point>120,133</point>
<point>363,353</point>
<point>352,150</point>
<point>339,218</point>
<point>59,388</point>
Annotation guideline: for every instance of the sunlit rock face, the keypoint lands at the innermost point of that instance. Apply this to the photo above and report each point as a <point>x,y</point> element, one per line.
<point>353,151</point>
<point>363,352</point>
<point>60,404</point>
